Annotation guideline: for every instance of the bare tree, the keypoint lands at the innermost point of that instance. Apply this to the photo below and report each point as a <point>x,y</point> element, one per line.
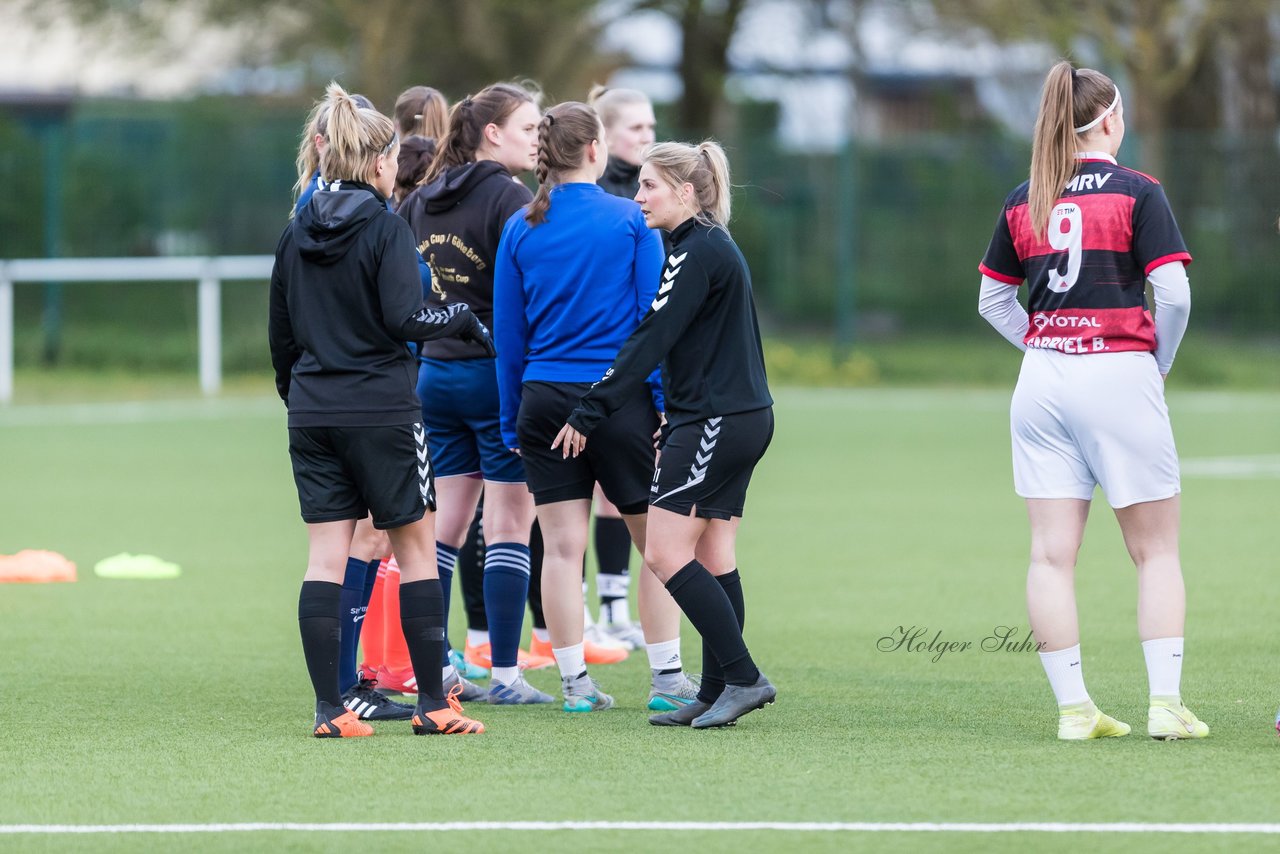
<point>1158,43</point>
<point>381,46</point>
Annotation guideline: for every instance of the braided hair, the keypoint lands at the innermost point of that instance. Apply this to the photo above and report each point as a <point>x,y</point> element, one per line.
<point>563,136</point>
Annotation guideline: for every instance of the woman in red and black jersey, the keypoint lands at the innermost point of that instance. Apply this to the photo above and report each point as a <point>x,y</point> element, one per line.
<point>1086,235</point>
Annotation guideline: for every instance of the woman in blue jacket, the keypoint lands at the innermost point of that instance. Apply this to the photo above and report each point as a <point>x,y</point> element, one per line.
<point>576,271</point>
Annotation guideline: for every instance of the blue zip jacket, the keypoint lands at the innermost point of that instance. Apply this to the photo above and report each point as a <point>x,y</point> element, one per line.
<point>569,292</point>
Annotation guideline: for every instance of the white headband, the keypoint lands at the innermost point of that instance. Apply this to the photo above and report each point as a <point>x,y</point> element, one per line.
<point>1105,113</point>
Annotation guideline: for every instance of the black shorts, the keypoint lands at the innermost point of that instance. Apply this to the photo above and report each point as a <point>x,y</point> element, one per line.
<point>706,466</point>
<point>350,472</point>
<point>619,454</point>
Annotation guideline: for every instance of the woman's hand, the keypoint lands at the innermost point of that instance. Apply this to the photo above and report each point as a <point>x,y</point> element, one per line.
<point>657,434</point>
<point>574,442</point>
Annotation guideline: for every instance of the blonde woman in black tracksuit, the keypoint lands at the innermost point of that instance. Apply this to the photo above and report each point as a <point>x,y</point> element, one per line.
<point>702,328</point>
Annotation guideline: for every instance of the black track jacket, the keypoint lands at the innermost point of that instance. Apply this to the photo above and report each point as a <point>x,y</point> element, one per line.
<point>702,327</point>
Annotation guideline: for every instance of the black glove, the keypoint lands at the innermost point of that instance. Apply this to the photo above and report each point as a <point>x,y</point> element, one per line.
<point>455,320</point>
<point>479,333</point>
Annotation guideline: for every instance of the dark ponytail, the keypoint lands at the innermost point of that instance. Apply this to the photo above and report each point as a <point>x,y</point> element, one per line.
<point>467,121</point>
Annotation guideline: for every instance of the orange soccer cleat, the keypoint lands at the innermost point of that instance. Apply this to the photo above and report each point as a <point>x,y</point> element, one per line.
<point>447,721</point>
<point>345,725</point>
<point>592,652</point>
<point>481,656</point>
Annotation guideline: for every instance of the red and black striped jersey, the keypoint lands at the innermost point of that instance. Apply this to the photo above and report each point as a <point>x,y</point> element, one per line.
<point>1087,274</point>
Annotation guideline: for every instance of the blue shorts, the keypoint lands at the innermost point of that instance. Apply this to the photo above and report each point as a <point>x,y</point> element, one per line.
<point>460,411</point>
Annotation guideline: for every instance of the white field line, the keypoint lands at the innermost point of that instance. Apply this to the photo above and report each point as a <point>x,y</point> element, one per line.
<point>1233,467</point>
<point>662,826</point>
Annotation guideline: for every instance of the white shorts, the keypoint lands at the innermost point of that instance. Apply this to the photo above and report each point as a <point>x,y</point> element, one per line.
<point>1099,419</point>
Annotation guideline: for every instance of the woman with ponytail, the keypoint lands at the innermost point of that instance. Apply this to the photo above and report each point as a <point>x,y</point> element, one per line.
<point>702,328</point>
<point>311,149</point>
<point>457,216</point>
<point>577,269</point>
<point>345,297</point>
<point>1086,235</point>
<point>368,545</point>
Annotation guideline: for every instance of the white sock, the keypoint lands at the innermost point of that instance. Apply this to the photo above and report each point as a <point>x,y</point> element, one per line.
<point>1065,675</point>
<point>571,660</point>
<point>1164,666</point>
<point>505,675</point>
<point>664,655</point>
<point>543,635</point>
<point>614,589</point>
<point>477,637</point>
<point>616,612</point>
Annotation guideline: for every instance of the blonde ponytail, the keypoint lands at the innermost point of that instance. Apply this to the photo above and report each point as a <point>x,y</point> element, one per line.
<point>357,136</point>
<point>1053,148</point>
<point>705,167</point>
<point>717,200</point>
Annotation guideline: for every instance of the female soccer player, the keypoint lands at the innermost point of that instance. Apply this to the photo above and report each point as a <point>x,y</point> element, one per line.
<point>627,115</point>
<point>702,327</point>
<point>576,271</point>
<point>368,545</point>
<point>1086,235</point>
<point>345,295</point>
<point>457,217</point>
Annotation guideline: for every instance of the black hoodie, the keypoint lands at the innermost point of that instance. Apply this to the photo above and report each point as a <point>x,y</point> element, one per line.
<point>457,221</point>
<point>345,296</point>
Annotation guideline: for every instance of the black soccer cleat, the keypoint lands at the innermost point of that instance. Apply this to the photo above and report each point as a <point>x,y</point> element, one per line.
<point>368,704</point>
<point>736,701</point>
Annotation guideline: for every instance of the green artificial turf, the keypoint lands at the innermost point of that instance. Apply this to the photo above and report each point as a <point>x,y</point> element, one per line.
<point>186,701</point>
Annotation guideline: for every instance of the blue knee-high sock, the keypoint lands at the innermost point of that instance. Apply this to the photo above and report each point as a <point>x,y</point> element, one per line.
<point>506,586</point>
<point>351,609</point>
<point>370,576</point>
<point>446,558</point>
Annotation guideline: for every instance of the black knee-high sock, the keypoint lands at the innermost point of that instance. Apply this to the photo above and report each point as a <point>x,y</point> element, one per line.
<point>535,577</point>
<point>707,606</point>
<point>712,673</point>
<point>470,570</point>
<point>422,620</point>
<point>320,626</point>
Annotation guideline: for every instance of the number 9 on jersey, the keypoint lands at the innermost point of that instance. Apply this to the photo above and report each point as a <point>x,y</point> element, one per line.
<point>1065,232</point>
